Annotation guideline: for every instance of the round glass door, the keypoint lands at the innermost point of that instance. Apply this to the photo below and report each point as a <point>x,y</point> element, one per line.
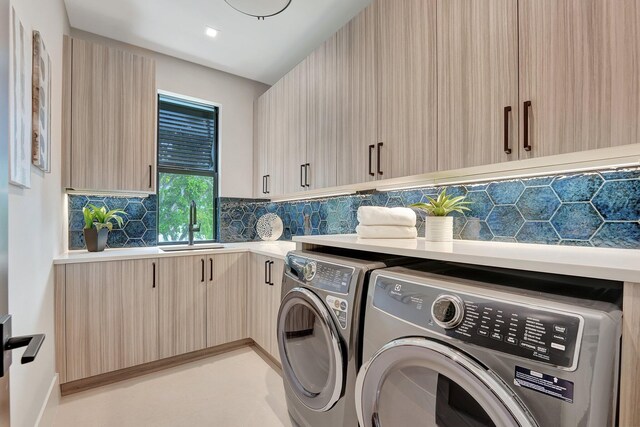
<point>309,345</point>
<point>419,382</point>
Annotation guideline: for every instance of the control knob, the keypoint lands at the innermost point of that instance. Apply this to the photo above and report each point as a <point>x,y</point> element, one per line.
<point>447,311</point>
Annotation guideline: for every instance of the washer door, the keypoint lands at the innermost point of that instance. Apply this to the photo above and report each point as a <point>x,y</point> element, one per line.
<point>419,382</point>
<point>310,350</point>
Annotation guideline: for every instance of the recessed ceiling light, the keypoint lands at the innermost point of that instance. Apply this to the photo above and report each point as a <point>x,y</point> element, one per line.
<point>211,32</point>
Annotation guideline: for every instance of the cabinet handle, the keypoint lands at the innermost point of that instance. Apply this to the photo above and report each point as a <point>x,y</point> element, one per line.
<point>268,178</point>
<point>302,168</point>
<point>202,261</point>
<point>266,278</point>
<point>527,107</point>
<point>211,269</point>
<point>306,174</point>
<point>154,274</point>
<point>379,157</point>
<point>371,148</point>
<point>507,110</point>
<point>264,185</point>
<point>150,176</point>
<point>270,278</point>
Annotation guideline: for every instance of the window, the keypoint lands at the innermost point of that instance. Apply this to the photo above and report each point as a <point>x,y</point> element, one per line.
<point>187,168</point>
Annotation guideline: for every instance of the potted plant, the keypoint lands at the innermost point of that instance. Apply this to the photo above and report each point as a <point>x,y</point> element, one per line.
<point>438,225</point>
<point>97,224</point>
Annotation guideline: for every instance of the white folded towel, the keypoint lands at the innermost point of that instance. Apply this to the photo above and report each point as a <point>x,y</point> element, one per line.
<point>386,232</point>
<point>376,215</point>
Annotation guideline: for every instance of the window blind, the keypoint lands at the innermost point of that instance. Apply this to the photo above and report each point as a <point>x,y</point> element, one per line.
<point>186,135</point>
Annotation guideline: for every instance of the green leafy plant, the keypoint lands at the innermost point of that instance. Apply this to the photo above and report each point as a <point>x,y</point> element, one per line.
<point>443,205</point>
<point>101,218</point>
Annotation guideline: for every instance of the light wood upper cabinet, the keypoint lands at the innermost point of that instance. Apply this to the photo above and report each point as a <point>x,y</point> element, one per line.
<point>260,126</point>
<point>111,134</point>
<point>226,298</point>
<point>183,302</point>
<point>356,108</point>
<point>407,95</point>
<point>580,69</point>
<point>477,81</point>
<point>111,316</point>
<point>322,98</point>
<point>294,88</point>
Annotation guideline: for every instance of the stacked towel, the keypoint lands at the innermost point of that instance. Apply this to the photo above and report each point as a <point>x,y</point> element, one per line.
<point>386,223</point>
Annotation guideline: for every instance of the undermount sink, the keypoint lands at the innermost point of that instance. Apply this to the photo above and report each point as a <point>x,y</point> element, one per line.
<point>198,247</point>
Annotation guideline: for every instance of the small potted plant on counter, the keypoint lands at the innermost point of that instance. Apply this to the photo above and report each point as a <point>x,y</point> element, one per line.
<point>438,225</point>
<point>97,224</point>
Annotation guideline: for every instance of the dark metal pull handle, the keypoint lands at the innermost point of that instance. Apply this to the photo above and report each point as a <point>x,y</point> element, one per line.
<point>32,342</point>
<point>527,107</point>
<point>154,274</point>
<point>264,188</point>
<point>270,277</point>
<point>150,176</point>
<point>302,168</point>
<point>371,148</point>
<point>379,157</point>
<point>202,261</point>
<point>266,277</point>
<point>267,177</point>
<point>507,110</point>
<point>211,269</point>
<point>306,174</point>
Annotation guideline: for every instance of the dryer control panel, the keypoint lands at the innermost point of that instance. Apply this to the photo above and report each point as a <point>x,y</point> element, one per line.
<point>320,274</point>
<point>532,332</point>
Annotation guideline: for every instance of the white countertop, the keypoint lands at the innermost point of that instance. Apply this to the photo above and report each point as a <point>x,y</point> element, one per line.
<point>272,249</point>
<point>602,263</point>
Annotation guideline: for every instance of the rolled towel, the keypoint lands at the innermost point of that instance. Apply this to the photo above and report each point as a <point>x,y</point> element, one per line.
<point>376,215</point>
<point>386,232</point>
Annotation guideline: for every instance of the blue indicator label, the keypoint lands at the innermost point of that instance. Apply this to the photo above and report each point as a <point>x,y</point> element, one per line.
<point>543,383</point>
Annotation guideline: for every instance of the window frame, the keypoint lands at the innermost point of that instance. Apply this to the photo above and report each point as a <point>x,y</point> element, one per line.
<point>216,167</point>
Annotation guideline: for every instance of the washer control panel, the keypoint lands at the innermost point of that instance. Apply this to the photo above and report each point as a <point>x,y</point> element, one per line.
<point>535,333</point>
<point>320,274</point>
<point>340,309</point>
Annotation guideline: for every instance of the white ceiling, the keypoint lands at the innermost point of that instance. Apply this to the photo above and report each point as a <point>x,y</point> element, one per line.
<point>258,50</point>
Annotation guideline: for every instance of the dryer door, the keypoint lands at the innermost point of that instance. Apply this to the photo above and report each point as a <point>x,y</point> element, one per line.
<point>310,349</point>
<point>420,382</point>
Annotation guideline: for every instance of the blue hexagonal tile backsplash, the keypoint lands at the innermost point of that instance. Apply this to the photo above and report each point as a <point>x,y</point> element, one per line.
<point>599,208</point>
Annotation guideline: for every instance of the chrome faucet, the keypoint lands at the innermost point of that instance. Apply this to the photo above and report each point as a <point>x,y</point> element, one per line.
<point>193,221</point>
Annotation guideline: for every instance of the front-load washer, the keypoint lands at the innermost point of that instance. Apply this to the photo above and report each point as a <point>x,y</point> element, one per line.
<point>443,350</point>
<point>317,329</point>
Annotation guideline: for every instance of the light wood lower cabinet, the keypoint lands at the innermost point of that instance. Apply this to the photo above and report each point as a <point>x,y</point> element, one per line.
<point>111,317</point>
<point>183,303</point>
<point>226,298</point>
<point>263,301</point>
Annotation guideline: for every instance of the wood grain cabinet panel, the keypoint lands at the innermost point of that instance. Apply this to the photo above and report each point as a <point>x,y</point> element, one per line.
<point>226,298</point>
<point>407,94</point>
<point>294,139</point>
<point>182,304</point>
<point>275,296</point>
<point>111,316</point>
<point>580,69</point>
<point>356,105</point>
<point>113,119</point>
<point>477,80</point>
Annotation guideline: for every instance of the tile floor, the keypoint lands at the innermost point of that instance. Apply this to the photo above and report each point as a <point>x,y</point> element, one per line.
<point>232,389</point>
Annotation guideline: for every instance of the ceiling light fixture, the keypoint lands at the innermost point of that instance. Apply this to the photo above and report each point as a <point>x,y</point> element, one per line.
<point>211,32</point>
<point>259,8</point>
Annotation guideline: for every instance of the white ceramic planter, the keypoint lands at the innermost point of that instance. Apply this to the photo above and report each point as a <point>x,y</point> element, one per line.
<point>439,229</point>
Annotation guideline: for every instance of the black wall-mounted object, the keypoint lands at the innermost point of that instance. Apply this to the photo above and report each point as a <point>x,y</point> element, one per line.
<point>32,342</point>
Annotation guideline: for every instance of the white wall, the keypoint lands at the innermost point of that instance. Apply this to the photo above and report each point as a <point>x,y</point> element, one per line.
<point>36,228</point>
<point>234,94</point>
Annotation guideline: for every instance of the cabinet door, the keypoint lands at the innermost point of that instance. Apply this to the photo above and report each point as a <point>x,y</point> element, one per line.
<point>275,135</point>
<point>356,105</point>
<point>580,69</point>
<point>258,303</point>
<point>260,108</point>
<point>111,316</point>
<point>322,115</point>
<point>183,300</point>
<point>295,133</point>
<point>226,298</point>
<point>407,96</point>
<point>477,81</point>
<point>275,296</point>
<point>113,119</point>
